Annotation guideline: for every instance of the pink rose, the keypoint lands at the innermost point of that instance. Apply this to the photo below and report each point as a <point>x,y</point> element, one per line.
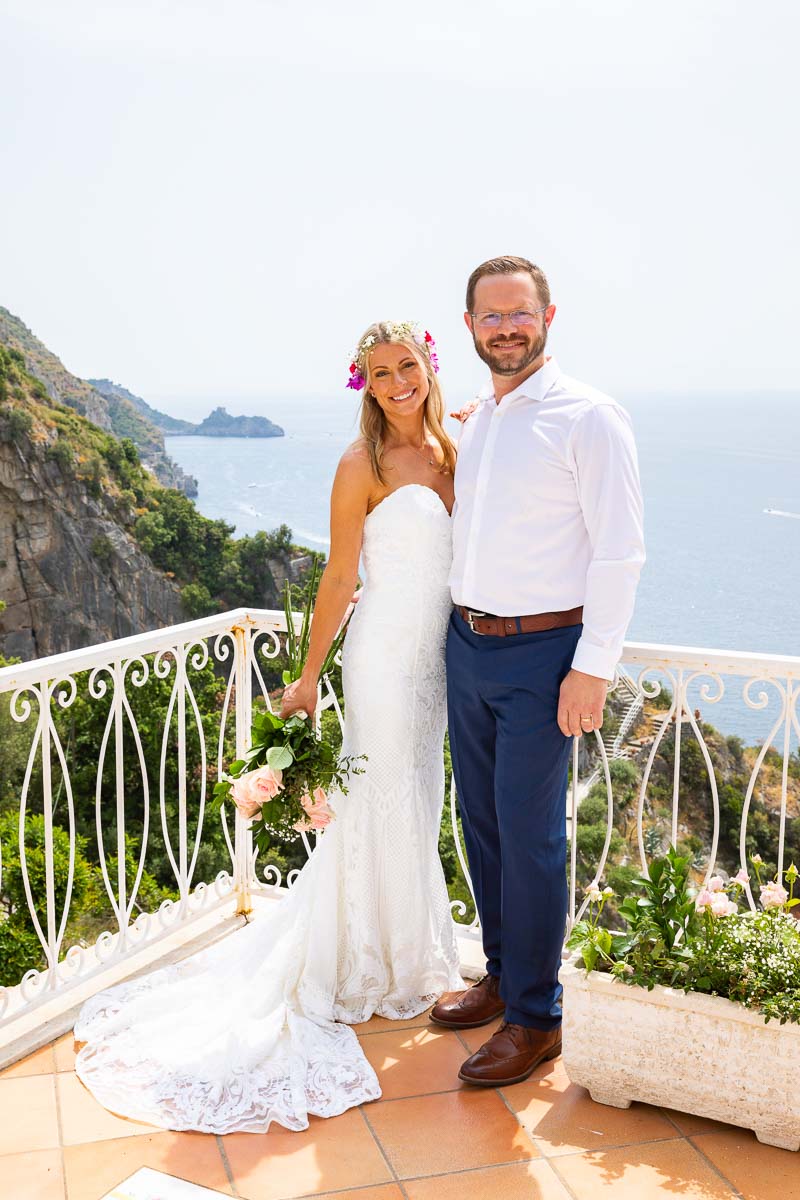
<point>721,906</point>
<point>773,895</point>
<point>254,788</point>
<point>704,899</point>
<point>715,884</point>
<point>741,877</point>
<point>317,810</point>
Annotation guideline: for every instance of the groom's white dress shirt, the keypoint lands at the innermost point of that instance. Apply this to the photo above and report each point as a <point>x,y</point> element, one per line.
<point>548,511</point>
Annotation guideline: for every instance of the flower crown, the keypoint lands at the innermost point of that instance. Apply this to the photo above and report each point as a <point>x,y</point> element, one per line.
<point>401,330</point>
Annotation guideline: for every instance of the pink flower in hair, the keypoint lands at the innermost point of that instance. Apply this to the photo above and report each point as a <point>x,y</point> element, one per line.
<point>356,380</point>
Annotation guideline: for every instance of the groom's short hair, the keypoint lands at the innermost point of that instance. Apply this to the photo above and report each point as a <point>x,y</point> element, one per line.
<point>508,264</point>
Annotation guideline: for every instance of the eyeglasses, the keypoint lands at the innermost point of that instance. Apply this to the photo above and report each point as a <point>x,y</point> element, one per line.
<point>490,320</point>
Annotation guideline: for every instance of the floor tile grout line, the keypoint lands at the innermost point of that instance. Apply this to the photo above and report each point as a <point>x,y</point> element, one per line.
<point>223,1153</point>
<point>653,1141</point>
<point>409,1028</point>
<point>551,1167</point>
<point>714,1167</point>
<point>57,1095</point>
<point>617,1146</point>
<point>510,1162</point>
<point>464,1171</point>
<point>459,1087</point>
<point>689,1139</point>
<point>573,1195</point>
<point>552,1159</point>
<point>383,1153</point>
<point>346,1191</point>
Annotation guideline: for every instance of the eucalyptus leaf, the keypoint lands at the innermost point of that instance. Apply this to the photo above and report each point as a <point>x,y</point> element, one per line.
<point>279,757</point>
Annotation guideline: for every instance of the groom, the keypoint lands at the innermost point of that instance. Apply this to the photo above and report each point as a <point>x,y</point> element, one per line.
<point>547,553</point>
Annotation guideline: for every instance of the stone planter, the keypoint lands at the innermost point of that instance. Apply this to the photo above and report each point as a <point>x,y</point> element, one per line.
<point>698,1054</point>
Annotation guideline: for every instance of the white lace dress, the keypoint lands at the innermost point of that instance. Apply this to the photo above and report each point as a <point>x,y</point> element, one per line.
<point>255,1028</point>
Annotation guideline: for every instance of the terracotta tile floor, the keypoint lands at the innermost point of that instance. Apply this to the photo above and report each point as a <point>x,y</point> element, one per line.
<point>428,1138</point>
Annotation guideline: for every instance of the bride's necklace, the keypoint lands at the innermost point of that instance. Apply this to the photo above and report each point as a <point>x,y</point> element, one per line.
<point>425,451</point>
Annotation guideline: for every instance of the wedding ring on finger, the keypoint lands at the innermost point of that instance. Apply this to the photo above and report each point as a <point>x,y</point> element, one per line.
<point>588,721</point>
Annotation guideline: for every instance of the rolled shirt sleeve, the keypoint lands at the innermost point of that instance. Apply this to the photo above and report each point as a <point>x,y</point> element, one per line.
<point>607,479</point>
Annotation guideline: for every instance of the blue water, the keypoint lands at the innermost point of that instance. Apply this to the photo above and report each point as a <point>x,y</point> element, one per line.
<point>721,573</point>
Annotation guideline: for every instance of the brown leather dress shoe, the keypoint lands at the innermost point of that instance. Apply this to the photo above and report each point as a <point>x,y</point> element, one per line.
<point>511,1055</point>
<point>478,1005</point>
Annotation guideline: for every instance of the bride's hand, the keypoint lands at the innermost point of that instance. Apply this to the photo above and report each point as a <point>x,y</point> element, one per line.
<point>302,694</point>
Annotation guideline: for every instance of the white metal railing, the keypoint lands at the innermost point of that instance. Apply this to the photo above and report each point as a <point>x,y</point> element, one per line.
<point>237,647</point>
<point>763,683</point>
<point>234,651</point>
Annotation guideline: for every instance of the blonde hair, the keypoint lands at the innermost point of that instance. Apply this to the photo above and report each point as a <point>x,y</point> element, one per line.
<point>373,419</point>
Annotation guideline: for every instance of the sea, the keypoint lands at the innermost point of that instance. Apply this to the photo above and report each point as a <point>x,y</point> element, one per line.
<point>721,482</point>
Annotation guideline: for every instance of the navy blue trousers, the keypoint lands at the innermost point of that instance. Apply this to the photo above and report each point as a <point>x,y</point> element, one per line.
<point>510,762</point>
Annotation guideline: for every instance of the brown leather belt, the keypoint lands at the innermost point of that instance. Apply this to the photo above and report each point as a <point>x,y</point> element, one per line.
<point>487,623</point>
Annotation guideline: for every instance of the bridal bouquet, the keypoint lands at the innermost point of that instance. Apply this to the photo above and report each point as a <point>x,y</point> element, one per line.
<point>282,782</point>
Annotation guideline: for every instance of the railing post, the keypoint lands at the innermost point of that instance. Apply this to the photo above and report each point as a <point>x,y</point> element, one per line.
<point>242,837</point>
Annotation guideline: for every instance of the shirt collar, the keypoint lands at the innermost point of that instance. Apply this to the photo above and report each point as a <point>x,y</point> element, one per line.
<point>535,387</point>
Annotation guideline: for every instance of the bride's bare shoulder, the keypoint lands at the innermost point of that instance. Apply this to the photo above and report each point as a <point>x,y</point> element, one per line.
<point>355,461</point>
<point>354,471</point>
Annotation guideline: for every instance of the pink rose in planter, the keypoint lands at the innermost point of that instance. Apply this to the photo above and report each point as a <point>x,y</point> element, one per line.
<point>773,895</point>
<point>741,877</point>
<point>703,900</point>
<point>721,906</point>
<point>715,884</point>
<point>255,788</point>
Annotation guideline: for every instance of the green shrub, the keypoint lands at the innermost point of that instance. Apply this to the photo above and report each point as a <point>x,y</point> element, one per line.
<point>20,951</point>
<point>593,810</point>
<point>12,891</point>
<point>20,423</point>
<point>102,549</point>
<point>61,453</point>
<point>197,602</point>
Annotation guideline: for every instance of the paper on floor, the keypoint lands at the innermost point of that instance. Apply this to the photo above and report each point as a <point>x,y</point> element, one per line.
<point>147,1184</point>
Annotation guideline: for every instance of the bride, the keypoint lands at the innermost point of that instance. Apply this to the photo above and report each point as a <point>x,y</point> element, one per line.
<point>255,1029</point>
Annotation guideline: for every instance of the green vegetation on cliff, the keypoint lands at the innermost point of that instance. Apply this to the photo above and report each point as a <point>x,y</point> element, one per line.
<point>162,421</point>
<point>214,571</point>
<point>113,412</point>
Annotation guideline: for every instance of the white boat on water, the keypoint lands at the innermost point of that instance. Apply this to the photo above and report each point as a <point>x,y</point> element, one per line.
<point>779,512</point>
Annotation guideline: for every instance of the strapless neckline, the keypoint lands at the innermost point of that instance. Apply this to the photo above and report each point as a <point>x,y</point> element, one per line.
<point>404,487</point>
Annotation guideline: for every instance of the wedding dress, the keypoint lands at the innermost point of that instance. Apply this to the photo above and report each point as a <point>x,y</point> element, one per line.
<point>255,1029</point>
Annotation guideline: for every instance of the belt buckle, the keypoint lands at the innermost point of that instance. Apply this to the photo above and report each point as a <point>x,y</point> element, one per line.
<point>472,612</point>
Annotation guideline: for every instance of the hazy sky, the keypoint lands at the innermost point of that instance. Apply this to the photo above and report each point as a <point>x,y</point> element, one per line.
<point>206,199</point>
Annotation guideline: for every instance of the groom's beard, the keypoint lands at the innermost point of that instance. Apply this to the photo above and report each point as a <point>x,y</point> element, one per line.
<point>512,363</point>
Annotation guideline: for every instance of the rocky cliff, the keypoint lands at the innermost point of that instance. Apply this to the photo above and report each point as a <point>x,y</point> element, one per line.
<point>114,412</point>
<point>218,423</point>
<point>162,421</point>
<point>69,574</point>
